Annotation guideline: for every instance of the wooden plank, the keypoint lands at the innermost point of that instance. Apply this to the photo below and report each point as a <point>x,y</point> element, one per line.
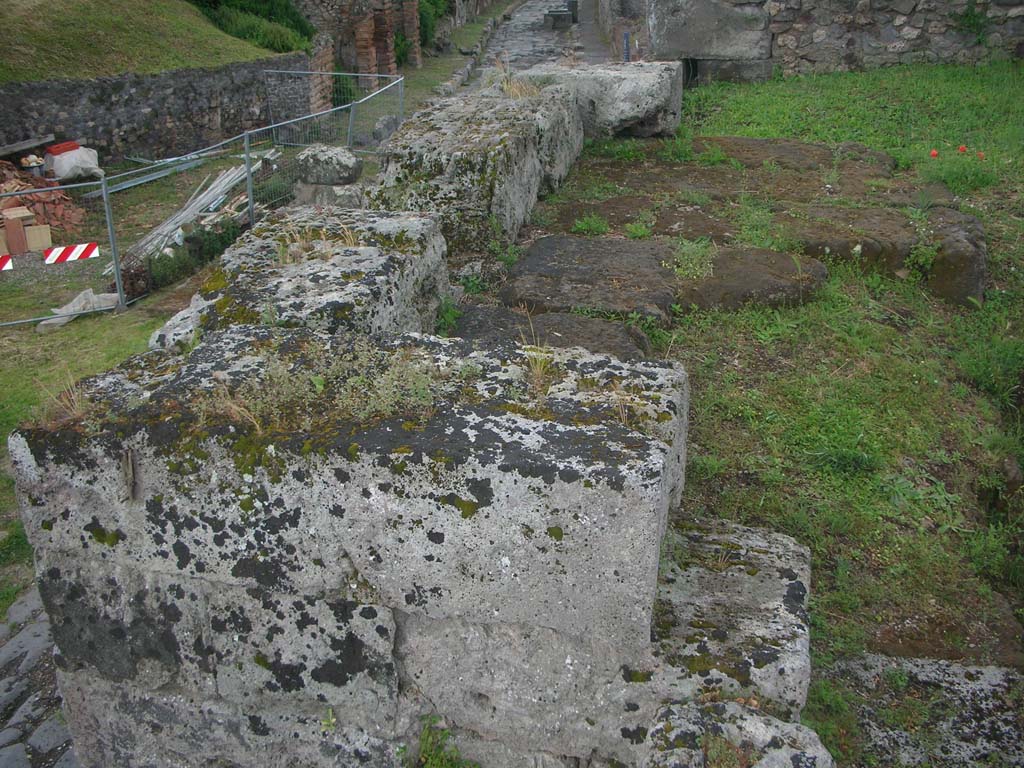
<point>21,146</point>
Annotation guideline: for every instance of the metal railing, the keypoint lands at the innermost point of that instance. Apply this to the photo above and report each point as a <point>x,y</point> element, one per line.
<point>360,112</point>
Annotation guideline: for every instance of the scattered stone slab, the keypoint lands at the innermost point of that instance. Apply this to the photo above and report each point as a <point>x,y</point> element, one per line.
<point>331,269</point>
<point>621,99</point>
<point>732,610</point>
<point>619,277</point>
<point>480,160</point>
<point>9,736</point>
<point>494,326</point>
<point>691,735</point>
<point>67,760</point>
<point>962,715</point>
<point>801,156</point>
<point>885,239</point>
<point>741,276</point>
<point>329,166</point>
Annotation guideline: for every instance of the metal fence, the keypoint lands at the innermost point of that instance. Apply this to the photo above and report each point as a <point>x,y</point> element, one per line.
<point>139,215</point>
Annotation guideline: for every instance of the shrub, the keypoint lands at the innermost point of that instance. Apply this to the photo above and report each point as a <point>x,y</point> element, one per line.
<point>281,12</point>
<point>402,48</point>
<point>201,247</point>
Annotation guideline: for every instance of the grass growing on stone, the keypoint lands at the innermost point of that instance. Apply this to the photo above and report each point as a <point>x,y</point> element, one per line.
<point>33,366</point>
<point>875,423</point>
<point>81,39</point>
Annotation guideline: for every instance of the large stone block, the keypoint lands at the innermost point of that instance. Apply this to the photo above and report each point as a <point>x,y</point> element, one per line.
<point>703,29</point>
<point>326,268</point>
<point>122,725</point>
<point>324,164</point>
<point>482,160</point>
<point>638,99</point>
<point>221,538</point>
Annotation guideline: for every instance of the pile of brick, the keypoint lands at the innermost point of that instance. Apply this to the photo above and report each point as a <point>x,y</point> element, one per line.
<point>54,208</point>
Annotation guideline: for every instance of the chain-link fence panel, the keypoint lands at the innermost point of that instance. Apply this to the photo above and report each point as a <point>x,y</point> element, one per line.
<point>56,252</point>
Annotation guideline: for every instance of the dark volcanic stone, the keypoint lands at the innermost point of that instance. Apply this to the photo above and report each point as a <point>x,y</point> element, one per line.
<point>560,273</point>
<point>741,276</point>
<point>493,325</point>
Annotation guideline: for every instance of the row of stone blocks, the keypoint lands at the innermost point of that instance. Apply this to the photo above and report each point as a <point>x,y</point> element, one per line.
<point>480,163</point>
<point>272,541</point>
<point>243,567</point>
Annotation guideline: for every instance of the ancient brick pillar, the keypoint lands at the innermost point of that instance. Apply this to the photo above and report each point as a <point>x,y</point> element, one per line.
<point>384,38</point>
<point>411,29</point>
<point>366,51</point>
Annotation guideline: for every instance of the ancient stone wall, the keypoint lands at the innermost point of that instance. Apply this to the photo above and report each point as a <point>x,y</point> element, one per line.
<point>155,115</point>
<point>751,40</point>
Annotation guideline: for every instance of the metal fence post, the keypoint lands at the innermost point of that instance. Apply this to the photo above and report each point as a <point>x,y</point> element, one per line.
<point>248,182</point>
<point>625,46</point>
<point>121,301</point>
<point>401,101</point>
<point>351,122</point>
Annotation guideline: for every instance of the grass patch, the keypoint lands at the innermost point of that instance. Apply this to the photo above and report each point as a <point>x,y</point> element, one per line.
<point>628,150</point>
<point>59,39</point>
<point>592,224</point>
<point>757,227</point>
<point>693,259</point>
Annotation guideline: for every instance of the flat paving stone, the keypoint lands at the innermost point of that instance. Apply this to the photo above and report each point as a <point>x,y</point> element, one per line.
<point>742,276</point>
<point>489,326</point>
<point>50,735</point>
<point>30,710</point>
<point>12,689</point>
<point>67,760</point>
<point>28,645</point>
<point>25,607</point>
<point>561,273</point>
<point>14,756</point>
<point>9,736</point>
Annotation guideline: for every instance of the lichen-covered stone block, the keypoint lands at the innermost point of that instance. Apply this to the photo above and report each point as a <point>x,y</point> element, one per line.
<point>482,159</point>
<point>324,164</point>
<point>621,99</point>
<point>325,268</point>
<point>119,724</point>
<point>255,526</point>
<point>732,612</point>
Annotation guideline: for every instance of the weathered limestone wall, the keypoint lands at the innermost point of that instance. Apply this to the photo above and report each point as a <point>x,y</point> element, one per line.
<point>749,40</point>
<point>480,163</point>
<point>156,115</point>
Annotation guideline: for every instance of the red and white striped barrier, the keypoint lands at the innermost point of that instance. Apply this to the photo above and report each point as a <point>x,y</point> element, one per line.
<point>6,263</point>
<point>62,253</point>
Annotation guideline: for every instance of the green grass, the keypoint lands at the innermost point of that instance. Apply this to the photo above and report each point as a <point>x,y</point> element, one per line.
<point>872,424</point>
<point>81,38</point>
<point>592,224</point>
<point>906,111</point>
<point>32,367</point>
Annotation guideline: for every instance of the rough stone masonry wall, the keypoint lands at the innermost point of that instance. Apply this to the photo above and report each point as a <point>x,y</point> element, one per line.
<point>155,115</point>
<point>749,40</point>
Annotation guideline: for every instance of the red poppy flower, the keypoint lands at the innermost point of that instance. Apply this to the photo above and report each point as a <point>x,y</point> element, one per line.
<point>981,155</point>
<point>934,153</point>
<point>962,148</point>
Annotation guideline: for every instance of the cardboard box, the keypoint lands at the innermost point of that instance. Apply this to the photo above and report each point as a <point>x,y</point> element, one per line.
<point>22,214</point>
<point>38,237</point>
<point>17,243</point>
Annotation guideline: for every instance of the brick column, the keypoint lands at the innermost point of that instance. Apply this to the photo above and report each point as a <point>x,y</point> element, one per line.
<point>411,29</point>
<point>366,50</point>
<point>384,39</point>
